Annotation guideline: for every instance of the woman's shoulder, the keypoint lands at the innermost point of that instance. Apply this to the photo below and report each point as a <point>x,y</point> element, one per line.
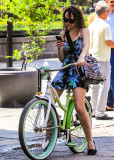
<point>84,31</point>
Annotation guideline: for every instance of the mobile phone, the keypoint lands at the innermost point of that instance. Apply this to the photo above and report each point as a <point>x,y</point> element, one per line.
<point>58,38</point>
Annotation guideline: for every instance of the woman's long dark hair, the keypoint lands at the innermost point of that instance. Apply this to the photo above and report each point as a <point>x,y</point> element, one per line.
<point>77,14</point>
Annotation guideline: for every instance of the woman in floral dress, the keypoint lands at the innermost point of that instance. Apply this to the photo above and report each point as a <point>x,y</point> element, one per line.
<point>69,78</point>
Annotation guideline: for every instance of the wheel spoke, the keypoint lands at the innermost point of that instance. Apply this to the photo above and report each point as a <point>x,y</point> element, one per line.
<point>35,139</point>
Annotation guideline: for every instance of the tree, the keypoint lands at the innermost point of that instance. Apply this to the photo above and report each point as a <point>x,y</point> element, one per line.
<point>32,13</point>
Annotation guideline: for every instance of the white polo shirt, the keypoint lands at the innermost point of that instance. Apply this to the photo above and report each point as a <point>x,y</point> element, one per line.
<point>100,32</point>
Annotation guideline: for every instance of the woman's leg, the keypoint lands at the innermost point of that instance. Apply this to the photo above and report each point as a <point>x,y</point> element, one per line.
<point>79,100</point>
<point>59,92</point>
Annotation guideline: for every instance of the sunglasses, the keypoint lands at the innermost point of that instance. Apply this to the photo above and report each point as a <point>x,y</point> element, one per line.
<point>69,20</point>
<point>111,1</point>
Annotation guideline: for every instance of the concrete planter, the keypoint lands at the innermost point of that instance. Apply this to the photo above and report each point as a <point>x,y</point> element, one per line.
<point>17,87</point>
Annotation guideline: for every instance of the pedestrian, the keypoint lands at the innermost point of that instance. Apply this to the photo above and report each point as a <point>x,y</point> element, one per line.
<point>93,15</point>
<point>91,18</point>
<point>110,21</point>
<point>100,43</point>
<point>69,79</point>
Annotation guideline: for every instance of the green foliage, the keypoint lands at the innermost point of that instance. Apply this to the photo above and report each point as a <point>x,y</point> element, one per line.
<point>32,13</point>
<point>67,3</point>
<point>85,18</point>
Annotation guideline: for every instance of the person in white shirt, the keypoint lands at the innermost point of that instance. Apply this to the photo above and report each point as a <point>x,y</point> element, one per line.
<point>100,43</point>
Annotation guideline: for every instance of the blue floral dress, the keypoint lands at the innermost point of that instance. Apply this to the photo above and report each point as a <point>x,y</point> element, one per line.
<point>69,78</point>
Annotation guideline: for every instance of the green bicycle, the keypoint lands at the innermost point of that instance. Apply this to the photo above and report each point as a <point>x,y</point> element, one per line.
<point>40,124</point>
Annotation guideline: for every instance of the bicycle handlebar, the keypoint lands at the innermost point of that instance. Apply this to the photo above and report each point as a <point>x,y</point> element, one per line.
<point>57,69</point>
<point>71,64</point>
<point>44,71</point>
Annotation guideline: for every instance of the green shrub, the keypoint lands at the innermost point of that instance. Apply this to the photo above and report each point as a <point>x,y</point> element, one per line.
<point>33,15</point>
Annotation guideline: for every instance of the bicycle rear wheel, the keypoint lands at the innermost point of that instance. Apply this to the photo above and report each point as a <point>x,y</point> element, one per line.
<point>37,142</point>
<point>77,136</point>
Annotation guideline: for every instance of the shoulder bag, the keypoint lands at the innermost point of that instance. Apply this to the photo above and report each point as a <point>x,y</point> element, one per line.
<point>92,72</point>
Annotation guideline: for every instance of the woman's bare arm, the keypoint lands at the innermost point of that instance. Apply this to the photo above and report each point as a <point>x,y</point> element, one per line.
<point>86,42</point>
<point>60,45</point>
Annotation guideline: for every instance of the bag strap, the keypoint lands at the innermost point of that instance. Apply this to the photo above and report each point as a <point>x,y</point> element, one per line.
<point>71,44</point>
<point>80,70</point>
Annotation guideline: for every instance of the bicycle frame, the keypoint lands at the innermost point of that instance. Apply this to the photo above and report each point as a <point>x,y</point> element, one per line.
<point>40,122</point>
<point>67,109</point>
<point>52,96</point>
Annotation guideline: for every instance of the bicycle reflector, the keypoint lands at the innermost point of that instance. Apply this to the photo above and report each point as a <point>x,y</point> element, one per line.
<point>39,93</point>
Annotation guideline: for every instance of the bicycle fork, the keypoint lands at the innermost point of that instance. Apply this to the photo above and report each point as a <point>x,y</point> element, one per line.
<point>49,103</point>
<point>48,109</point>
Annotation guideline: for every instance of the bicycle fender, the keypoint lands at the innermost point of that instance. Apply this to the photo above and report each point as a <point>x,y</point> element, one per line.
<point>41,97</point>
<point>44,98</point>
<point>71,106</point>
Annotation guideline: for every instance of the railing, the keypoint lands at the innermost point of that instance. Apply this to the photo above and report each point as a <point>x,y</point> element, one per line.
<point>20,27</point>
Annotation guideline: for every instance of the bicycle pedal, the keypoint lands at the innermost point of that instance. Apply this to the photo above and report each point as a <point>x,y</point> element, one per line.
<point>71,144</point>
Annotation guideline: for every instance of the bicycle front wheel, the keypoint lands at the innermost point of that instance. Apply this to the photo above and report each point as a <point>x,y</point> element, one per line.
<point>77,135</point>
<point>36,141</point>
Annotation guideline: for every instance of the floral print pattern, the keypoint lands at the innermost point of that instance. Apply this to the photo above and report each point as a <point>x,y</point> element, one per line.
<point>69,78</point>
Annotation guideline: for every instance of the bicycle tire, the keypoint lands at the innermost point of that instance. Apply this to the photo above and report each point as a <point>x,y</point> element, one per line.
<point>77,136</point>
<point>33,139</point>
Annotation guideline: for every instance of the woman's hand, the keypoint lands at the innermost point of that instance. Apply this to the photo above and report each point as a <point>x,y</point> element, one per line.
<point>59,44</point>
<point>81,61</point>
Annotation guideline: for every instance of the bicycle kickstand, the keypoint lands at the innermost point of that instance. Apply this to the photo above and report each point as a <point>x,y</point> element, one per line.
<point>69,144</point>
<point>67,136</point>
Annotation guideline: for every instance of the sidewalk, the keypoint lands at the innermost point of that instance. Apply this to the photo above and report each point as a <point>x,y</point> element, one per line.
<point>102,130</point>
<point>9,120</point>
